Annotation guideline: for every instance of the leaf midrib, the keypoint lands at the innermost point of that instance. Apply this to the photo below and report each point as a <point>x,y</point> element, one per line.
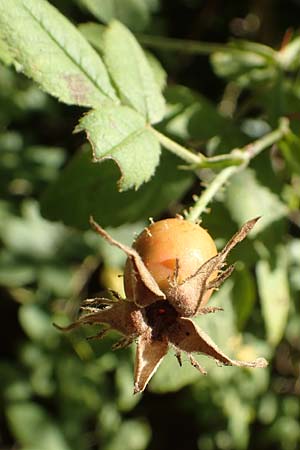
<point>128,138</point>
<point>140,76</point>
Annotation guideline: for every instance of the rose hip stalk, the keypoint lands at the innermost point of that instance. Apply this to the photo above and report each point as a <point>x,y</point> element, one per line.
<point>170,273</point>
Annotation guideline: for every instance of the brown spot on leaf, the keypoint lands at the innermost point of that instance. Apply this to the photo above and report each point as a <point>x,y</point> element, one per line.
<point>78,88</point>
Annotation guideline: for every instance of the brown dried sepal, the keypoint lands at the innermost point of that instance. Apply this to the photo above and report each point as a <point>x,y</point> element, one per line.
<point>165,321</point>
<point>187,296</point>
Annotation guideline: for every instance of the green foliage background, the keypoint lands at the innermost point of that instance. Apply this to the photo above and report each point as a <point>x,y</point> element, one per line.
<point>62,392</point>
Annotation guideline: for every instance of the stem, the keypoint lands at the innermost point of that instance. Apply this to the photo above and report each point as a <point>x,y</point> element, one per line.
<point>209,193</point>
<point>182,45</point>
<point>249,151</point>
<point>236,157</point>
<point>252,150</point>
<point>182,152</point>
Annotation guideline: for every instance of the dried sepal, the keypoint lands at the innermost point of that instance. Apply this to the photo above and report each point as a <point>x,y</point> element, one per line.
<point>121,316</point>
<point>196,364</point>
<point>209,309</point>
<point>187,297</point>
<point>100,335</point>
<point>157,319</point>
<point>149,355</point>
<point>94,305</point>
<point>178,356</point>
<point>222,276</point>
<point>186,336</point>
<point>124,342</point>
<point>140,272</point>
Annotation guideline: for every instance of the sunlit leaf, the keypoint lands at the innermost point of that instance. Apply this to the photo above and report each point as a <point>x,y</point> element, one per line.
<point>290,148</point>
<point>120,133</point>
<point>34,429</point>
<point>31,235</point>
<point>135,433</point>
<point>94,33</point>
<point>124,376</point>
<point>246,63</point>
<point>246,198</point>
<point>36,323</point>
<point>54,53</point>
<point>243,295</point>
<point>239,414</point>
<point>5,55</point>
<point>131,73</point>
<point>273,287</point>
<point>289,55</point>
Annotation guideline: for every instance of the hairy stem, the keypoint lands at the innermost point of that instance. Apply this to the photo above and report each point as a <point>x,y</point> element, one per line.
<point>209,193</point>
<point>247,153</point>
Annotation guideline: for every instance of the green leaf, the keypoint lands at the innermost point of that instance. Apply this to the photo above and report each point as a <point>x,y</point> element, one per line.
<point>15,273</point>
<point>131,434</point>
<point>131,73</point>
<point>94,33</point>
<point>288,56</point>
<point>293,249</point>
<point>125,400</point>
<point>170,377</point>
<point>273,287</point>
<point>33,428</point>
<point>290,148</point>
<point>268,408</point>
<point>246,63</point>
<point>120,133</point>
<point>246,198</point>
<point>54,53</point>
<point>192,116</point>
<point>32,236</point>
<point>159,73</point>
<point>244,294</point>
<point>239,417</point>
<point>113,256</point>
<point>37,324</point>
<point>133,13</point>
<point>83,189</point>
<point>5,55</point>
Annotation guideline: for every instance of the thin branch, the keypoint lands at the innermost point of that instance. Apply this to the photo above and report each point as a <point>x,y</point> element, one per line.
<point>180,45</point>
<point>249,152</point>
<point>184,153</point>
<point>209,193</point>
<point>252,150</point>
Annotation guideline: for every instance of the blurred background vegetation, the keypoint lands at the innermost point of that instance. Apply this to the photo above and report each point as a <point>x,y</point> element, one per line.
<point>61,392</point>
